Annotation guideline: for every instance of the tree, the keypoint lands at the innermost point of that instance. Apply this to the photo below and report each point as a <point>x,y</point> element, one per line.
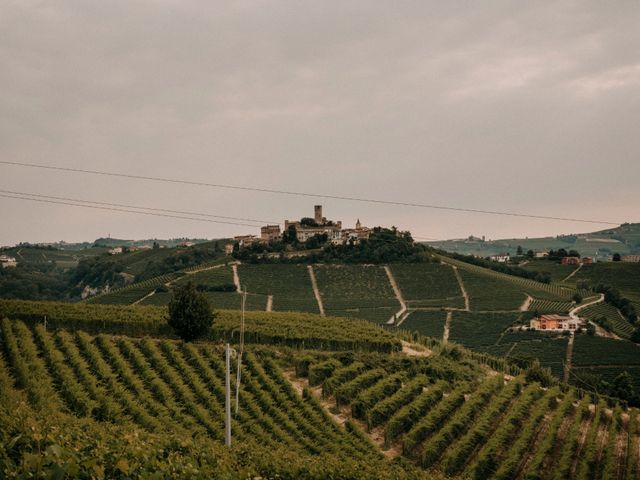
<point>190,314</point>
<point>616,257</point>
<point>530,254</point>
<point>519,251</point>
<point>577,298</point>
<point>290,235</point>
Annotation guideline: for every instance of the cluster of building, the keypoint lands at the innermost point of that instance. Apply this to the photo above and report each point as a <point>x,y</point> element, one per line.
<point>308,228</point>
<point>576,260</point>
<point>7,262</point>
<point>556,322</point>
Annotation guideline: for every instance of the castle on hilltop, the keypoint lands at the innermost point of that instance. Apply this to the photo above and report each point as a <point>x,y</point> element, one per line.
<point>309,227</point>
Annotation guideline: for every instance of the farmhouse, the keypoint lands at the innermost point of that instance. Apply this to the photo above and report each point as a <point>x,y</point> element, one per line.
<point>587,260</point>
<point>570,261</point>
<point>246,240</point>
<point>8,262</point>
<point>541,254</point>
<point>631,258</point>
<point>555,322</point>
<point>500,257</point>
<point>115,251</point>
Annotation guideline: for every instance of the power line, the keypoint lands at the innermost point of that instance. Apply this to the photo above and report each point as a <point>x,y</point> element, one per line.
<point>306,194</point>
<point>136,207</point>
<point>126,209</point>
<point>41,200</point>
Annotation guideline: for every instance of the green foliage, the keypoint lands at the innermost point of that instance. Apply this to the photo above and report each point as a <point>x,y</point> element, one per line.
<point>190,314</point>
<point>319,372</point>
<point>298,330</point>
<point>536,373</point>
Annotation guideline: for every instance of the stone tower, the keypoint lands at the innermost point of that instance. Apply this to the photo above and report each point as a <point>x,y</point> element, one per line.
<point>358,225</point>
<point>318,214</point>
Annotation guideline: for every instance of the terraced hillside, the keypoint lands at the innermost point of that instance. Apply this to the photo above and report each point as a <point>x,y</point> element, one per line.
<point>357,291</point>
<point>117,406</point>
<point>133,397</point>
<point>290,285</point>
<point>428,285</point>
<point>622,276</point>
<point>489,427</point>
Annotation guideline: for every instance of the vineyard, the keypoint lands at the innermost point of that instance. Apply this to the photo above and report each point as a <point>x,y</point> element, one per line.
<point>551,306</point>
<point>591,350</point>
<point>290,285</point>
<point>535,289</point>
<point>290,329</point>
<point>425,322</point>
<point>428,285</point>
<point>357,291</point>
<point>557,271</point>
<point>491,293</point>
<point>131,395</point>
<point>480,330</point>
<point>305,414</point>
<point>487,428</point>
<point>623,276</point>
<point>132,293</point>
<point>614,321</point>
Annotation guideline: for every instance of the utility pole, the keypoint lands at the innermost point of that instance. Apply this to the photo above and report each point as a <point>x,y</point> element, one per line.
<point>227,403</point>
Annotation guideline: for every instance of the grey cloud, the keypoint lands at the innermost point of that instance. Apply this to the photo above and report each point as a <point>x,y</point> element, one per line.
<point>499,105</point>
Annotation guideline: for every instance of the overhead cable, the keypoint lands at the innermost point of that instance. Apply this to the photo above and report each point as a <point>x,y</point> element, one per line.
<point>307,194</point>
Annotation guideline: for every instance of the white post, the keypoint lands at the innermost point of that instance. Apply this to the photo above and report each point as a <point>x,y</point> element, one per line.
<point>227,403</point>
<point>45,323</point>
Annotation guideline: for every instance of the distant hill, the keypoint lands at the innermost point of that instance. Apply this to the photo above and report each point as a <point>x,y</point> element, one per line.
<point>624,239</point>
<point>172,242</point>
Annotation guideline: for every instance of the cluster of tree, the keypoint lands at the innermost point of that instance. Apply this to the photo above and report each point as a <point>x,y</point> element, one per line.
<point>384,245</point>
<point>621,386</point>
<point>556,255</point>
<point>34,282</point>
<point>543,277</point>
<point>29,281</point>
<point>613,297</point>
<point>190,314</point>
<point>98,271</point>
<point>181,259</point>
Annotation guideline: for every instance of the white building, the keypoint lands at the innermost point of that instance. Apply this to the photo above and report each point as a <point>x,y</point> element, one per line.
<point>556,322</point>
<point>8,262</point>
<point>115,251</point>
<point>500,257</point>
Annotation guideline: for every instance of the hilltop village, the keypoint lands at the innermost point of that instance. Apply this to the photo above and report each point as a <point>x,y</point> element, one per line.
<point>307,228</point>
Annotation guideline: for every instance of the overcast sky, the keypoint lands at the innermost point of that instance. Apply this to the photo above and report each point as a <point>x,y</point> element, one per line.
<point>531,107</point>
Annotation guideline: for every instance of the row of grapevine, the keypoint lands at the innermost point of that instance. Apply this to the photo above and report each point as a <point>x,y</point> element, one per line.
<point>550,306</point>
<point>298,330</point>
<point>163,386</point>
<point>536,289</point>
